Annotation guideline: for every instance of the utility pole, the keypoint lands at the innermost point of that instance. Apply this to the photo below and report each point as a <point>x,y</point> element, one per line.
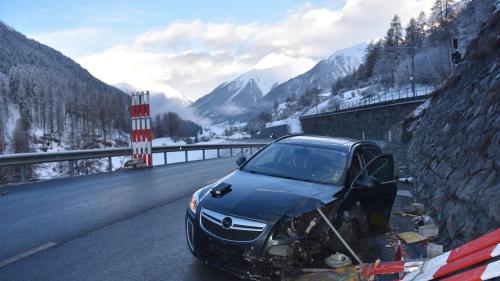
<point>412,77</point>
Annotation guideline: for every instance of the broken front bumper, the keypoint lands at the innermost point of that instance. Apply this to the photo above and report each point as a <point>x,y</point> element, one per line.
<point>243,259</point>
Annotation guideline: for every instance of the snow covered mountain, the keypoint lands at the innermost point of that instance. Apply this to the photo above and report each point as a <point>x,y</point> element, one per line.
<point>234,98</point>
<point>269,81</point>
<point>322,75</point>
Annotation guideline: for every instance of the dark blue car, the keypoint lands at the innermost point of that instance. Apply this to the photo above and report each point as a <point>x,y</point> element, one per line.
<point>262,219</point>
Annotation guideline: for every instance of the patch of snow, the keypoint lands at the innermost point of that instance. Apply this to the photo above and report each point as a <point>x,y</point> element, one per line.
<point>167,141</point>
<point>420,109</point>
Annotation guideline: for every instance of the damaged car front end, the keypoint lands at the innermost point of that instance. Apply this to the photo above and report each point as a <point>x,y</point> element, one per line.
<point>256,225</point>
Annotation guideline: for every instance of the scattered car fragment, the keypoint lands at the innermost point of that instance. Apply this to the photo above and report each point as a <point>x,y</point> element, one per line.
<point>282,209</point>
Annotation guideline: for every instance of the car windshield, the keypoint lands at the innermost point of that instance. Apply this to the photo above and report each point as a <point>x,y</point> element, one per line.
<point>299,162</point>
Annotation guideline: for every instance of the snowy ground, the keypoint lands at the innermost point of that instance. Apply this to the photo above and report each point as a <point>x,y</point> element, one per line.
<point>59,169</point>
<point>176,157</point>
<point>224,130</point>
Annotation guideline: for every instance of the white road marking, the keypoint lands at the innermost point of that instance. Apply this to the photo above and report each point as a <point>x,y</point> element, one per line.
<point>26,254</point>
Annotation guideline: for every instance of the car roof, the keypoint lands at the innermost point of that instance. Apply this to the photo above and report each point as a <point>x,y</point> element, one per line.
<point>345,144</point>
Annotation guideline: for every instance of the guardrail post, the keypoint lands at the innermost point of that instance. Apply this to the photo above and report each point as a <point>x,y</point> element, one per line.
<point>203,154</point>
<point>241,154</point>
<point>165,158</point>
<point>251,150</point>
<point>218,153</point>
<point>110,164</point>
<point>185,156</point>
<point>23,179</point>
<point>231,153</point>
<point>71,167</point>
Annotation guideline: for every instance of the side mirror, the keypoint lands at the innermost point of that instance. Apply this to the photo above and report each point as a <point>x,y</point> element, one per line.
<point>241,160</point>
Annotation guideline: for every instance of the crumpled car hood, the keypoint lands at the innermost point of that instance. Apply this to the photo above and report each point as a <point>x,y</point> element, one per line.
<point>268,198</point>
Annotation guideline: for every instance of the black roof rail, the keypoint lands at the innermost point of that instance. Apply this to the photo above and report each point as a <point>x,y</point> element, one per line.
<point>287,136</point>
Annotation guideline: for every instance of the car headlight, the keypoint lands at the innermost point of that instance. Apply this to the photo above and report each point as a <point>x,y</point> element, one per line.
<point>193,204</point>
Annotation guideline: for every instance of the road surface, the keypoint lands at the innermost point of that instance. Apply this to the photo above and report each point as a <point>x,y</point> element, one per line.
<point>127,225</point>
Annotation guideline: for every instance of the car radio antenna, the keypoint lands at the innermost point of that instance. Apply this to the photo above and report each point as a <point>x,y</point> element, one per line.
<point>340,237</point>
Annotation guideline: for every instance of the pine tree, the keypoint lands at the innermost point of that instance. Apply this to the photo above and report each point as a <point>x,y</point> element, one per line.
<point>442,12</point>
<point>372,55</point>
<point>394,36</point>
<point>422,24</point>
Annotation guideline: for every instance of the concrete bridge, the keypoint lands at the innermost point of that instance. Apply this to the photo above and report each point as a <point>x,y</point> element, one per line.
<point>377,120</point>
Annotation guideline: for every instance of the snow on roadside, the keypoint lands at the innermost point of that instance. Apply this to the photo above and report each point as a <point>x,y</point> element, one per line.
<point>420,109</point>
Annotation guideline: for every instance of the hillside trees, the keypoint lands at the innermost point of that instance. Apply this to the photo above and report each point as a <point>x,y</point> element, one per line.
<point>426,40</point>
<point>3,111</point>
<point>54,96</point>
<point>391,54</point>
<point>172,125</point>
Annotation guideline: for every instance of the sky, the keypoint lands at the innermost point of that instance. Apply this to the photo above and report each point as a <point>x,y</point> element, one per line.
<point>186,48</point>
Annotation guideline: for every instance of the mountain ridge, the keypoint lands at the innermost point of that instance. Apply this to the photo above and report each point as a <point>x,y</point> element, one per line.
<point>252,91</point>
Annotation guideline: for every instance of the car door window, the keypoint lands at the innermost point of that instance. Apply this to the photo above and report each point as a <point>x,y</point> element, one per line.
<point>370,152</point>
<point>381,169</point>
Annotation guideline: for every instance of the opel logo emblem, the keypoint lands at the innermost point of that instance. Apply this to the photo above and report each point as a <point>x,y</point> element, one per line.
<point>227,222</point>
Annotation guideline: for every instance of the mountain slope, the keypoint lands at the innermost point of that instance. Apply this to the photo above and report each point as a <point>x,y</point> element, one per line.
<point>453,144</point>
<point>321,75</point>
<point>46,95</point>
<point>262,86</point>
<point>235,98</point>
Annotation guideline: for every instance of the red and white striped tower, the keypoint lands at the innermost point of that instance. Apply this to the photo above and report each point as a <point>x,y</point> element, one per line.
<point>141,128</point>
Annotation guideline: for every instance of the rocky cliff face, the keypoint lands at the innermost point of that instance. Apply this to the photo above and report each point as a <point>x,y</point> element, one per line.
<point>454,145</point>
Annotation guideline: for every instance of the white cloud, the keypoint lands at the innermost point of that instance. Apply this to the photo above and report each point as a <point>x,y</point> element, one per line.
<point>195,56</point>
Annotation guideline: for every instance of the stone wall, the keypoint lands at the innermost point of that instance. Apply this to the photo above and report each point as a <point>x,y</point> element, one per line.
<point>454,147</point>
<point>375,121</point>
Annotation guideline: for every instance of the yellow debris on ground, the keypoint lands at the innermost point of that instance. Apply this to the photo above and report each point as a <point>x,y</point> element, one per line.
<point>410,237</point>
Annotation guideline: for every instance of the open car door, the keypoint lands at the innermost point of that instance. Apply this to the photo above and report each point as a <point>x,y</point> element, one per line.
<point>375,188</point>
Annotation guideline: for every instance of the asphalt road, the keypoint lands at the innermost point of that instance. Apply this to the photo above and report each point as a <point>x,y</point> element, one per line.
<point>127,225</point>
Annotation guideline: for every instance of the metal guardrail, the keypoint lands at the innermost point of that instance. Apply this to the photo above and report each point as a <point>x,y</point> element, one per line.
<point>392,96</point>
<point>24,159</point>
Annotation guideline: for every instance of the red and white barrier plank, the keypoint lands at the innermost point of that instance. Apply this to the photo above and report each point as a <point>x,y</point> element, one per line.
<point>141,128</point>
<point>463,257</point>
<point>446,265</point>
